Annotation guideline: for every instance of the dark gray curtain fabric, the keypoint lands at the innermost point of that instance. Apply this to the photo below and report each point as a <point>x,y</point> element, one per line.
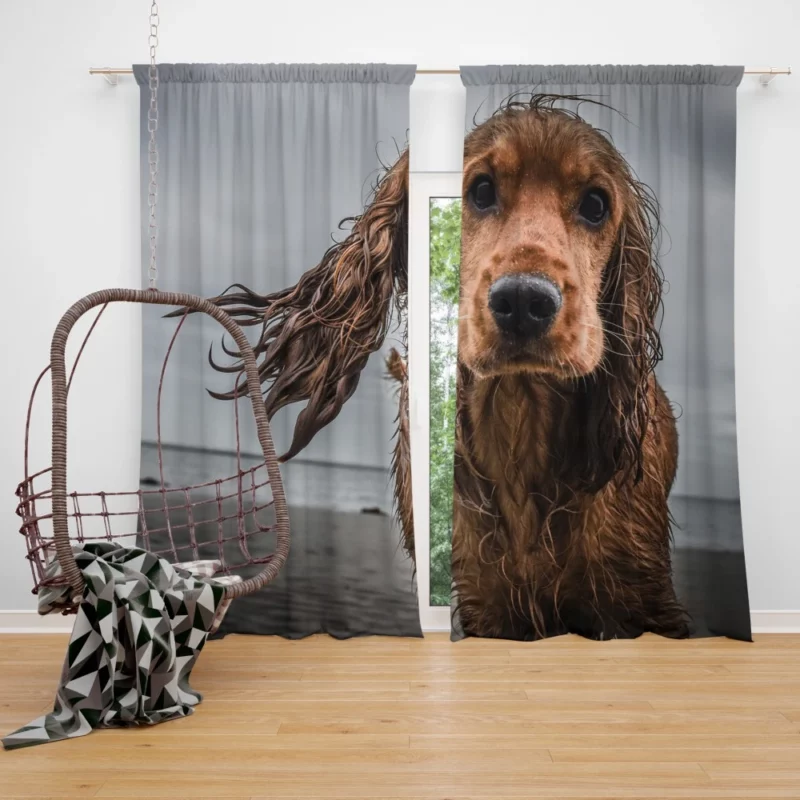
<point>676,126</point>
<point>525,78</point>
<point>258,164</point>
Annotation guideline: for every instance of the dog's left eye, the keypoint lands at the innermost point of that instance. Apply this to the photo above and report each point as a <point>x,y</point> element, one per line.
<point>482,193</point>
<point>594,207</point>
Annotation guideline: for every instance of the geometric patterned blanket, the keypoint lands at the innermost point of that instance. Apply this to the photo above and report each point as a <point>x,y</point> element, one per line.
<point>137,635</point>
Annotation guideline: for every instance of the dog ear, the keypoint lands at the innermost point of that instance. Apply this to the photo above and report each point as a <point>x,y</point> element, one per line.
<point>619,405</point>
<point>317,335</point>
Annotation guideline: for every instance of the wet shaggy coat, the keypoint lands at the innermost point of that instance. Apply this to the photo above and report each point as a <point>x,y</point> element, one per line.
<point>566,451</point>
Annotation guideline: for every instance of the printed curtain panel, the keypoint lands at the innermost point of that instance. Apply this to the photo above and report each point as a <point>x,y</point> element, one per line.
<point>592,383</point>
<point>263,171</point>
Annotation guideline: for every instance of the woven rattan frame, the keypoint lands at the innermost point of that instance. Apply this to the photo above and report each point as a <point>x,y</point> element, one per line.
<point>61,537</point>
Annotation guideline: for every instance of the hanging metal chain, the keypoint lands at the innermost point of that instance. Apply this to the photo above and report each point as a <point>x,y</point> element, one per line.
<point>152,148</point>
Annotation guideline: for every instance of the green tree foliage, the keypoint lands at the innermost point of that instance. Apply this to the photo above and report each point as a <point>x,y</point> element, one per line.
<point>445,251</point>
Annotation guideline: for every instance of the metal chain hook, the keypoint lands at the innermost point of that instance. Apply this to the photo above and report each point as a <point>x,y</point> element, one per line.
<point>152,148</point>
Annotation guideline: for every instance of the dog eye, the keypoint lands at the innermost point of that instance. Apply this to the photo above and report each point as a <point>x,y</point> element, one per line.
<point>482,193</point>
<point>594,207</point>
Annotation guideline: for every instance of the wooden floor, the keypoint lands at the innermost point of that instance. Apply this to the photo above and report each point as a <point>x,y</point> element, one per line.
<point>399,718</point>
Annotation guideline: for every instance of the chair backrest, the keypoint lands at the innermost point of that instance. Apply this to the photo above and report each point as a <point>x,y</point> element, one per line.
<point>61,538</point>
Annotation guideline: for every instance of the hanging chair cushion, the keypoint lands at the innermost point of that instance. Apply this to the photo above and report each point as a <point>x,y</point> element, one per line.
<point>139,630</point>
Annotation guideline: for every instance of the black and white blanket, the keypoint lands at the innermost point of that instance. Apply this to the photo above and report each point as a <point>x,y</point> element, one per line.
<point>137,636</point>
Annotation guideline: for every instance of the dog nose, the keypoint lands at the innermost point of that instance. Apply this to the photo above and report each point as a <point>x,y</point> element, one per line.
<point>523,304</point>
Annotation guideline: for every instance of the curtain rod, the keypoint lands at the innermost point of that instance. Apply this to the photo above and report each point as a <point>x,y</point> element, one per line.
<point>766,74</point>
<point>766,71</point>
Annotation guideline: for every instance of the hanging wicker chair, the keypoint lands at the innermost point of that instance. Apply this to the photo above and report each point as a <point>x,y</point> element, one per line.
<point>224,519</point>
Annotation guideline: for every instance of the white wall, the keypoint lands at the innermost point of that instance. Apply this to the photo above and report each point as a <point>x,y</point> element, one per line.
<point>69,184</point>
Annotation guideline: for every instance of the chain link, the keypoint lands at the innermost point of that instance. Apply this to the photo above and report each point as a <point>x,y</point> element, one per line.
<point>152,148</point>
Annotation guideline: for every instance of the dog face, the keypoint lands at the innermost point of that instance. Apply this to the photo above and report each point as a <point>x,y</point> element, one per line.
<point>545,200</point>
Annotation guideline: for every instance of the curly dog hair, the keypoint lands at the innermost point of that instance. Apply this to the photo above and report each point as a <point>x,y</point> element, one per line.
<point>566,445</point>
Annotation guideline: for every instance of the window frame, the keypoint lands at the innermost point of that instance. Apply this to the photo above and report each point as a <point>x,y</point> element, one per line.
<point>423,187</point>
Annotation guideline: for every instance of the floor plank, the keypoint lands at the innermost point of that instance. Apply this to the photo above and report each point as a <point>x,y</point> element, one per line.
<point>474,720</point>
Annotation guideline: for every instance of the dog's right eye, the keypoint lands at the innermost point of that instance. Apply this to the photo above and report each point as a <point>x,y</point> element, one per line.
<point>594,207</point>
<point>482,193</point>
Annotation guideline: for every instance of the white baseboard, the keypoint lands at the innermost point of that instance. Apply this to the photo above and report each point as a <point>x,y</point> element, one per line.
<point>775,621</point>
<point>31,622</point>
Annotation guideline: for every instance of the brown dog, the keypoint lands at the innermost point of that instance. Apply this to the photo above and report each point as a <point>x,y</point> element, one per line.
<point>566,445</point>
